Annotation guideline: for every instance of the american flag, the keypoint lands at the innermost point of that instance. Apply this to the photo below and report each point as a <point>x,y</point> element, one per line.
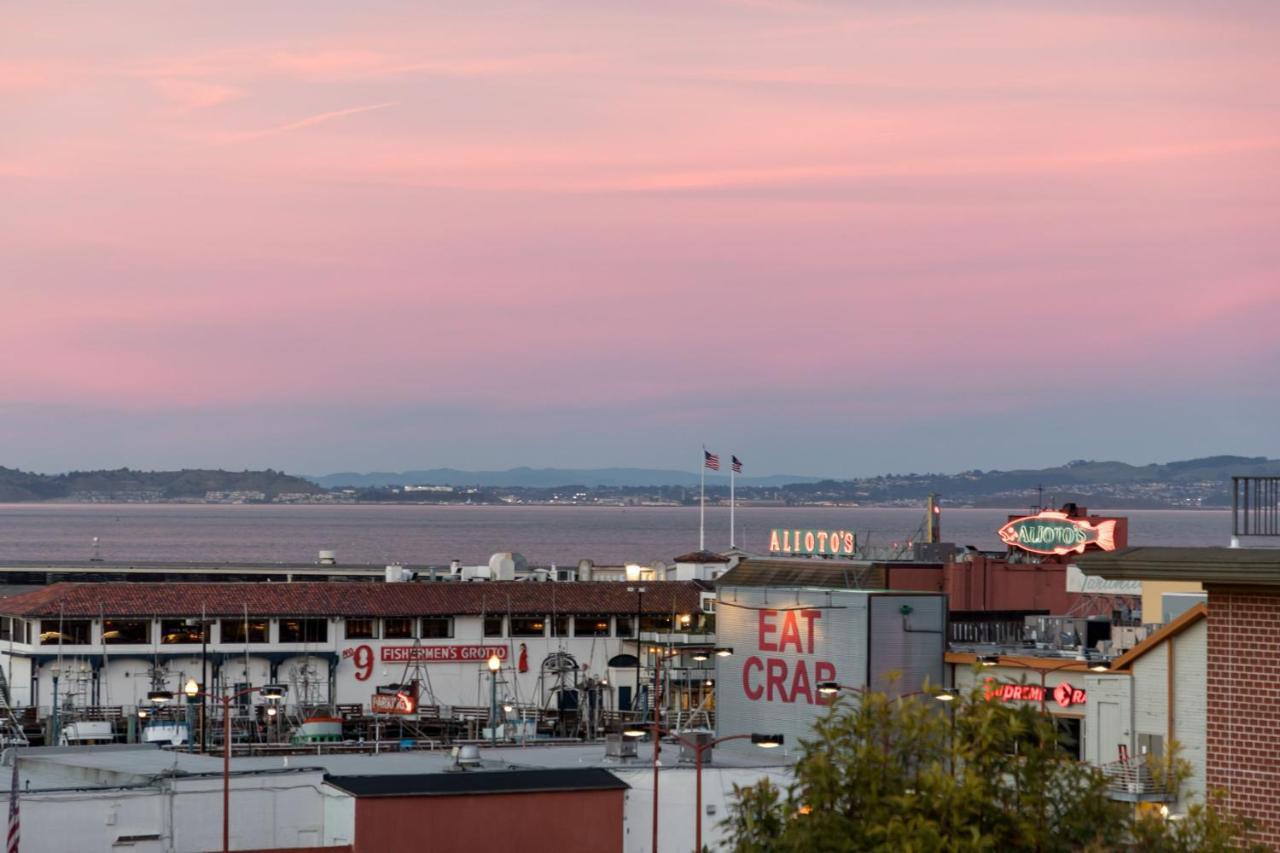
<point>710,460</point>
<point>737,464</point>
<point>14,834</point>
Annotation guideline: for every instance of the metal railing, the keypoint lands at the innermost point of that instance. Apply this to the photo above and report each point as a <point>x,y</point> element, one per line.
<point>1133,781</point>
<point>1255,506</point>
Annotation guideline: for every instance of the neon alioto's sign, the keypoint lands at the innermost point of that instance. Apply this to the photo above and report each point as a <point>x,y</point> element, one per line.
<point>1056,533</point>
<point>832,543</point>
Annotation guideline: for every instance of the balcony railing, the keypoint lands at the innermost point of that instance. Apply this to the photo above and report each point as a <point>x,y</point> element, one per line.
<point>1255,506</point>
<point>1133,782</point>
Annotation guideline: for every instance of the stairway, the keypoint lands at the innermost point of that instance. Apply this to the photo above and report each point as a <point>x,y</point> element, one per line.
<point>11,733</point>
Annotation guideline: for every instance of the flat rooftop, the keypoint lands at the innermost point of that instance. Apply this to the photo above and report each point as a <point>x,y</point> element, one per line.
<point>128,765</point>
<point>1248,566</point>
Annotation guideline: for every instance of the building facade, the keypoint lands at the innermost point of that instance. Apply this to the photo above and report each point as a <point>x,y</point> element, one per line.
<point>337,643</point>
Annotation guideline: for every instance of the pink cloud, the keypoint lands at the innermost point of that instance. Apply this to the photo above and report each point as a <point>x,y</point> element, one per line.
<point>299,124</point>
<point>195,94</point>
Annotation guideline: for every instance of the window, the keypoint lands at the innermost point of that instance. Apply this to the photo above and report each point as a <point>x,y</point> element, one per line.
<point>177,631</point>
<point>233,630</point>
<point>1069,735</point>
<point>493,626</point>
<point>400,628</point>
<point>591,626</point>
<point>559,626</point>
<point>659,624</point>
<point>125,632</point>
<point>437,627</point>
<point>6,628</point>
<point>626,626</point>
<point>67,631</point>
<point>528,626</point>
<point>304,630</point>
<point>362,629</point>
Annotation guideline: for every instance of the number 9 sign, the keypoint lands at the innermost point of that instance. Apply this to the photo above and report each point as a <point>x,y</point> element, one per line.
<point>362,657</point>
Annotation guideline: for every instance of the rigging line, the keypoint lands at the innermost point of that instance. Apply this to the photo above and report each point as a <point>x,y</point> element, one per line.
<point>782,609</point>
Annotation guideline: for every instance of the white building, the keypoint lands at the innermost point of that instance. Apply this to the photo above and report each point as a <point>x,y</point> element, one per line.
<point>1138,703</point>
<point>337,643</point>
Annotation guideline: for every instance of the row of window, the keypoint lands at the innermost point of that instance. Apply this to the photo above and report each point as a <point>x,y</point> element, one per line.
<point>582,626</point>
<point>132,632</point>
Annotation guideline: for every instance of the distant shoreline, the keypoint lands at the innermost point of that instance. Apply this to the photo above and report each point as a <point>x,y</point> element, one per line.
<point>600,506</point>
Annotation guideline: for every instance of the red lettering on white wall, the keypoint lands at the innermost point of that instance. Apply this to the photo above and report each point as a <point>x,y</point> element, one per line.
<point>766,628</point>
<point>753,692</point>
<point>776,676</point>
<point>790,633</point>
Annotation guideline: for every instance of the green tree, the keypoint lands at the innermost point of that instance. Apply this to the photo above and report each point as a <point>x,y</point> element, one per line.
<point>912,774</point>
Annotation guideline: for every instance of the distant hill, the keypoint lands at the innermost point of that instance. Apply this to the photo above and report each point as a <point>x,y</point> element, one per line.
<point>1189,483</point>
<point>545,478</point>
<point>124,484</point>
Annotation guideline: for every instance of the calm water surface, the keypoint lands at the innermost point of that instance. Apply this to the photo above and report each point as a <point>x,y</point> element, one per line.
<point>436,534</point>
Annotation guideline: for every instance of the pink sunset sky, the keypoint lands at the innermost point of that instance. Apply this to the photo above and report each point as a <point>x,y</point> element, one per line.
<point>834,237</point>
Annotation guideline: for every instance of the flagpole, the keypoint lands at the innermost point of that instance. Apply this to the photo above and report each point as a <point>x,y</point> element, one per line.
<point>702,503</point>
<point>733,467</point>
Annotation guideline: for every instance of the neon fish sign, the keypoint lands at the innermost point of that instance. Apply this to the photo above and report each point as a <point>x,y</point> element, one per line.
<point>1056,533</point>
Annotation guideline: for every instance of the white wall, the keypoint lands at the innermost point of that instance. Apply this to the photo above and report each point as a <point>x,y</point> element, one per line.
<point>267,810</point>
<point>676,796</point>
<point>1191,678</point>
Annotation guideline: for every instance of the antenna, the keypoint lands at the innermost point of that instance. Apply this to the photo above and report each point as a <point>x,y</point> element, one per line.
<point>97,553</point>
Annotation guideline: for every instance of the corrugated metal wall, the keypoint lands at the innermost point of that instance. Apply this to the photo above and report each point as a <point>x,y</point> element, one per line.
<point>786,641</point>
<point>907,646</point>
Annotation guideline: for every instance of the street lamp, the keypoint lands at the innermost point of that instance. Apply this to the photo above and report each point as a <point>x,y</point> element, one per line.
<point>760,740</point>
<point>639,591</point>
<point>658,657</point>
<point>831,688</point>
<point>53,734</point>
<point>495,663</point>
<point>271,693</point>
<point>204,673</point>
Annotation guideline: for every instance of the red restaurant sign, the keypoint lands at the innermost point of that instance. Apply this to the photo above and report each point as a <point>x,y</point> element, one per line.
<point>441,654</point>
<point>1056,533</point>
<point>1064,694</point>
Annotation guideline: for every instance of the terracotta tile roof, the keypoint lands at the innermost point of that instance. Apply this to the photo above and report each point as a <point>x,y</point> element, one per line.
<point>802,571</point>
<point>349,598</point>
<point>702,557</point>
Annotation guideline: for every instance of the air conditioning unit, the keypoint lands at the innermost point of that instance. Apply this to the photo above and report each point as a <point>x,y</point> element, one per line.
<point>619,746</point>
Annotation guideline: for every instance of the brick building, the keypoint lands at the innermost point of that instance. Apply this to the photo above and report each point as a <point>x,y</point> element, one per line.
<point>1242,686</point>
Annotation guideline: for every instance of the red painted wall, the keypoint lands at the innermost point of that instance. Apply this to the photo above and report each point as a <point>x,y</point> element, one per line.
<point>1243,730</point>
<point>980,583</point>
<point>554,822</point>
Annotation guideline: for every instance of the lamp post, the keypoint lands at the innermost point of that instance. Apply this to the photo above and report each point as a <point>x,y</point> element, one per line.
<point>204,676</point>
<point>657,723</point>
<point>639,591</point>
<point>270,692</point>
<point>53,727</point>
<point>495,663</point>
<point>762,741</point>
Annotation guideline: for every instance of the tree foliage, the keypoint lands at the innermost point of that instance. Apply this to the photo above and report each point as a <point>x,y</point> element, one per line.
<point>916,775</point>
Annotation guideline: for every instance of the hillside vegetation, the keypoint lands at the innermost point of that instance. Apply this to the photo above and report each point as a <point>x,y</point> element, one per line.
<point>127,484</point>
